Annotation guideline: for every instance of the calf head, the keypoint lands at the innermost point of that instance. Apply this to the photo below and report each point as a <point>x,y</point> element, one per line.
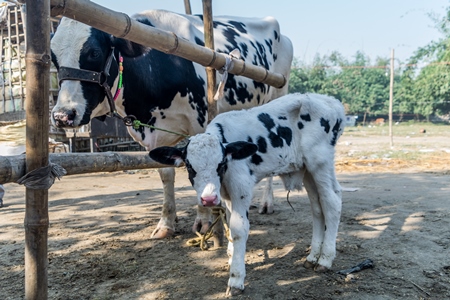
<point>206,160</point>
<point>87,64</point>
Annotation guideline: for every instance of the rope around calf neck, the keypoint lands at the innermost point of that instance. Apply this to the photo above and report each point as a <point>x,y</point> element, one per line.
<point>201,239</point>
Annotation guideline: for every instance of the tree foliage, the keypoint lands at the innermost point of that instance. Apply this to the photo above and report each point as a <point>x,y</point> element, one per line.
<point>421,86</point>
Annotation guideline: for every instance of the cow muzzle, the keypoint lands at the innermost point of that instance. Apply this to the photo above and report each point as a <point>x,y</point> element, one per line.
<point>64,118</point>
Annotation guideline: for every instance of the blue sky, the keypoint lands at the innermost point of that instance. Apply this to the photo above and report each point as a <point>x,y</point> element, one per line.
<point>323,26</point>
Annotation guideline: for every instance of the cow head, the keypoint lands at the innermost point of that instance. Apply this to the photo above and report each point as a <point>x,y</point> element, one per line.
<point>86,60</point>
<point>206,160</point>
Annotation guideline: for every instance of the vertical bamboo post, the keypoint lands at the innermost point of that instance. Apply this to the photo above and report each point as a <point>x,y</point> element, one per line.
<point>209,43</point>
<point>391,99</point>
<point>187,7</point>
<point>212,105</point>
<point>37,110</point>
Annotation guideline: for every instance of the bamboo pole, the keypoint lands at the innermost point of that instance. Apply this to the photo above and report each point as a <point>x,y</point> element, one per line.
<point>37,108</point>
<point>212,104</point>
<point>210,72</point>
<point>187,7</point>
<point>12,168</point>
<point>121,25</point>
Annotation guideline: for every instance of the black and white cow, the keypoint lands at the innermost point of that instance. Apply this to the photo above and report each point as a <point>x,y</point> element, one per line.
<point>293,137</point>
<point>159,89</point>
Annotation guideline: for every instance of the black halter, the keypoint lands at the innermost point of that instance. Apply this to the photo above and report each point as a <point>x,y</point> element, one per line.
<point>66,73</point>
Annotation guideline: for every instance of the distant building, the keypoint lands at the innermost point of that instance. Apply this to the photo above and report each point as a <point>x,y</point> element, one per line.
<point>350,120</point>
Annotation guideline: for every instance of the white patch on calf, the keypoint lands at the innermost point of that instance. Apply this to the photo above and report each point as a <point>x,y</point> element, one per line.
<point>204,152</point>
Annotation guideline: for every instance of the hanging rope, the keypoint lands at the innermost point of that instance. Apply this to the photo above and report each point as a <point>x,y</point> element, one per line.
<point>42,178</point>
<point>236,54</point>
<point>201,239</point>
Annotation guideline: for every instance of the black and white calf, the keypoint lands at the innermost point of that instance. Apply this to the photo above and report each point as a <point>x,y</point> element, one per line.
<point>159,89</point>
<point>293,137</point>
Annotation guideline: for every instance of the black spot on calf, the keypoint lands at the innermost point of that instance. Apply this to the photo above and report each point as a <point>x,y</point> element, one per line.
<point>224,140</point>
<point>256,159</point>
<point>325,124</point>
<point>267,120</point>
<point>275,140</point>
<point>306,117</point>
<point>262,144</point>
<point>335,130</point>
<point>300,125</point>
<point>285,133</point>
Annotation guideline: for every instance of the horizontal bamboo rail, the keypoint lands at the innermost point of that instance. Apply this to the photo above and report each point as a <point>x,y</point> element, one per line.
<point>12,168</point>
<point>122,26</point>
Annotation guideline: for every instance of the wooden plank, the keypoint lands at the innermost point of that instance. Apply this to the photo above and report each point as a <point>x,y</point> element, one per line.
<point>121,25</point>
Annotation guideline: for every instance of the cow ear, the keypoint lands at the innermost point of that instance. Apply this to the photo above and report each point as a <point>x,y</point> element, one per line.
<point>240,150</point>
<point>129,49</point>
<point>167,155</point>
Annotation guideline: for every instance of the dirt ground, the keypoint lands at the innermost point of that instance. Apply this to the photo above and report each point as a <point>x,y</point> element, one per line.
<point>395,212</point>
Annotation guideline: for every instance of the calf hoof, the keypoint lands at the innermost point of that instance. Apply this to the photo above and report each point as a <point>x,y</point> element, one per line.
<point>265,209</point>
<point>320,269</point>
<point>232,291</point>
<point>162,233</point>
<point>309,265</point>
<point>317,268</point>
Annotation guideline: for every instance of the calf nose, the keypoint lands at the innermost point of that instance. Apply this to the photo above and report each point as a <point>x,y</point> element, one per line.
<point>212,200</point>
<point>64,118</point>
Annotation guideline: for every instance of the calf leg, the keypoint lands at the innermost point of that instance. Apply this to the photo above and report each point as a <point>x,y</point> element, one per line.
<point>166,225</point>
<point>239,228</point>
<point>331,201</point>
<point>203,219</point>
<point>266,206</point>
<point>318,221</point>
<point>325,195</point>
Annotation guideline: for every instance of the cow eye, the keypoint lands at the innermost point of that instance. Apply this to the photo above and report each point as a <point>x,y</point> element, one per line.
<point>95,54</point>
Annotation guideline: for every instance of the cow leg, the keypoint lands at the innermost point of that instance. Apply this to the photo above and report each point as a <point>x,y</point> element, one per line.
<point>266,206</point>
<point>239,229</point>
<point>166,225</point>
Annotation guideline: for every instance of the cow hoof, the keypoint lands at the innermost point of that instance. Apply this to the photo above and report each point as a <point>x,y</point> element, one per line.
<point>162,233</point>
<point>309,265</point>
<point>232,291</point>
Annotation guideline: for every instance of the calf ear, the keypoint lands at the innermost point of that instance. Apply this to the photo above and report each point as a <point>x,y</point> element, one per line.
<point>240,150</point>
<point>167,155</point>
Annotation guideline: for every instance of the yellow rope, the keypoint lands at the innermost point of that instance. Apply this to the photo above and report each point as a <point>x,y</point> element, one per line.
<point>201,239</point>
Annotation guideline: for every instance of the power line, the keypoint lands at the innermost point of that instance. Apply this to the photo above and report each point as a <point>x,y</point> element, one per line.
<point>375,67</point>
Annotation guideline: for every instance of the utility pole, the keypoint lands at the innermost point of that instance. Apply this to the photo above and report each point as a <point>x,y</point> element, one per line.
<point>391,99</point>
